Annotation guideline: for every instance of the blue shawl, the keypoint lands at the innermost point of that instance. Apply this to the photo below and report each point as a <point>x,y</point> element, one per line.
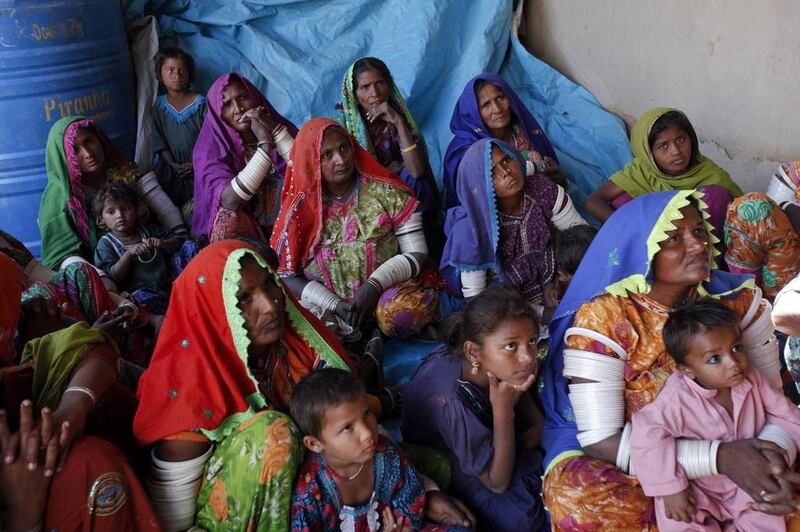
<point>468,128</point>
<point>618,262</point>
<point>472,226</point>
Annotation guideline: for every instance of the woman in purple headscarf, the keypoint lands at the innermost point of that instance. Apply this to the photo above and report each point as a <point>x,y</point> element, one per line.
<point>239,162</point>
<point>503,228</point>
<point>489,108</point>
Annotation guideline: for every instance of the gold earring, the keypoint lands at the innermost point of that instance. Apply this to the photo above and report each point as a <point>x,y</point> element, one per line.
<point>475,366</point>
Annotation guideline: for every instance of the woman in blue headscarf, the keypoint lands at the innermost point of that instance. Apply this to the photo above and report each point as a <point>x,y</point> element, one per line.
<point>502,229</point>
<point>652,255</point>
<point>489,108</point>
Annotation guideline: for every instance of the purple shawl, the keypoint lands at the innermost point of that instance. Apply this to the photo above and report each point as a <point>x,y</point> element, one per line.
<point>468,128</point>
<point>218,155</point>
<point>472,226</point>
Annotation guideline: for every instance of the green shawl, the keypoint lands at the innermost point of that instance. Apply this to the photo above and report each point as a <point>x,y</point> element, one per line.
<point>65,216</point>
<point>55,356</point>
<point>642,175</point>
<point>60,238</point>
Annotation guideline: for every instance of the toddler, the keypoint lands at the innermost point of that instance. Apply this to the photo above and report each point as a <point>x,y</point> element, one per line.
<point>712,397</point>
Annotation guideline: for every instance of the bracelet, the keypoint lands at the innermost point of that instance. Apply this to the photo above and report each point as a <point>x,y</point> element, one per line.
<point>375,283</point>
<point>82,389</point>
<point>263,142</point>
<point>408,149</point>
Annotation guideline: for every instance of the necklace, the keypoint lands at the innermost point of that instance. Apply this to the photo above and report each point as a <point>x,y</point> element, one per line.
<point>351,477</point>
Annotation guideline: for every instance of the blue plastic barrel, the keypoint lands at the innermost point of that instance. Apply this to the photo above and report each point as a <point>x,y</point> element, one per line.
<point>57,58</point>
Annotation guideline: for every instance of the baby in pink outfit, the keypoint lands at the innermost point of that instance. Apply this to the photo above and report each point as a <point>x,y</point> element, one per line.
<point>712,396</point>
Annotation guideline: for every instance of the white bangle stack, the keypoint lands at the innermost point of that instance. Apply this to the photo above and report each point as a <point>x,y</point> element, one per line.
<point>250,178</point>
<point>568,215</point>
<point>698,458</point>
<point>394,271</point>
<point>759,341</point>
<point>317,294</point>
<point>781,438</point>
<point>411,235</point>
<point>283,141</point>
<point>624,450</point>
<point>473,282</point>
<point>173,489</point>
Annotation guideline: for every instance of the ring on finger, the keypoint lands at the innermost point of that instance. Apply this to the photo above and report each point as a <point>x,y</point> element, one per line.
<point>762,493</point>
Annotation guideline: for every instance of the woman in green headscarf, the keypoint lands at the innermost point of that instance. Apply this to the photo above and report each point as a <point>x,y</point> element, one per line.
<point>80,159</point>
<point>759,237</point>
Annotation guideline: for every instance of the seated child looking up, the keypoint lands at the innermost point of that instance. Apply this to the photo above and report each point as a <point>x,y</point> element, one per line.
<point>470,398</point>
<point>354,478</point>
<point>571,246</point>
<point>132,253</point>
<point>713,396</point>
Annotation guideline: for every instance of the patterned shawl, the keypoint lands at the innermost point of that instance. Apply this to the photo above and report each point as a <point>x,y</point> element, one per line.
<point>468,128</point>
<point>219,153</point>
<point>296,232</point>
<point>199,378</point>
<point>65,218</point>
<point>349,114</point>
<point>642,175</point>
<point>618,262</point>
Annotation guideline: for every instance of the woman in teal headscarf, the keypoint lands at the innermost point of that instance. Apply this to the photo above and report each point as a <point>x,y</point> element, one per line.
<point>376,115</point>
<point>652,255</point>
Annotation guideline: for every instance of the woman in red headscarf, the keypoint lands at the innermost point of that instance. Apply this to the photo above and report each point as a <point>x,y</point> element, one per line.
<point>232,346</point>
<point>350,236</point>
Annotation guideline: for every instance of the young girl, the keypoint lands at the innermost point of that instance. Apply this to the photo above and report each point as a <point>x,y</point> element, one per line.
<point>712,397</point>
<point>132,253</point>
<point>355,478</point>
<point>470,399</point>
<point>177,118</point>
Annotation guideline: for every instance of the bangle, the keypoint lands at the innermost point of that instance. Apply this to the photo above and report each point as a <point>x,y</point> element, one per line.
<point>263,142</point>
<point>84,390</point>
<point>408,149</point>
<point>376,284</point>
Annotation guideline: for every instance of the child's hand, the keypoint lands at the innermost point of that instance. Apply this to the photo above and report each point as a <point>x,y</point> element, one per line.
<point>680,506</point>
<point>139,249</point>
<point>153,243</point>
<point>390,524</point>
<point>504,395</point>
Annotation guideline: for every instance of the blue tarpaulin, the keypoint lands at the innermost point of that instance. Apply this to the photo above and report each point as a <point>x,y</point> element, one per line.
<point>297,51</point>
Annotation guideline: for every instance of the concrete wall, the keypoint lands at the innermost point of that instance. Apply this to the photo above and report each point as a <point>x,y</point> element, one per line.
<point>732,65</point>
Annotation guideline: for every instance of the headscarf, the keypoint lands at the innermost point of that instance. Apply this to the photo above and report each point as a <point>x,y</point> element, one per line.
<point>618,262</point>
<point>642,174</point>
<point>10,292</point>
<point>65,219</point>
<point>296,232</point>
<point>473,225</point>
<point>468,128</point>
<point>349,114</point>
<point>219,153</point>
<point>198,378</point>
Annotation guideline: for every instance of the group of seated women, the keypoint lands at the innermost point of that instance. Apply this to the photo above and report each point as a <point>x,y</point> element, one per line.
<point>200,345</point>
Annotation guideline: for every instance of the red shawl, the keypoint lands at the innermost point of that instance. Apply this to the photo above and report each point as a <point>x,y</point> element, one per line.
<point>10,291</point>
<point>296,232</point>
<point>198,377</point>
